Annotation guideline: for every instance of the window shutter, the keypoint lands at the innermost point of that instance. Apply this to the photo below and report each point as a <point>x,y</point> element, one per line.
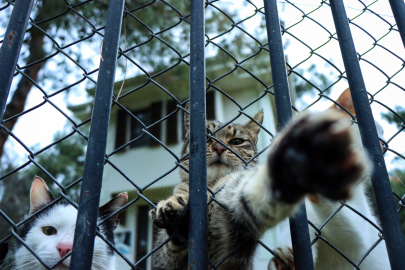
<point>210,105</point>
<point>121,134</point>
<point>156,115</point>
<point>171,123</point>
<point>136,128</point>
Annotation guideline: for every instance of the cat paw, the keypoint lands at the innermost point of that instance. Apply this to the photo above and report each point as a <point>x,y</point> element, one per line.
<point>316,154</point>
<point>171,212</point>
<point>287,259</point>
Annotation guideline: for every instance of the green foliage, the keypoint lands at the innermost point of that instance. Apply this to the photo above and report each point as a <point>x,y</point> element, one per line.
<point>394,119</point>
<point>397,176</point>
<point>149,27</point>
<point>64,161</point>
<point>398,186</point>
<point>313,80</point>
<point>397,180</point>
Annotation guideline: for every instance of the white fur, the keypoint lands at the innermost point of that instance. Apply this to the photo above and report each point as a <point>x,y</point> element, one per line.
<point>347,231</point>
<point>63,219</point>
<point>215,172</point>
<point>256,192</point>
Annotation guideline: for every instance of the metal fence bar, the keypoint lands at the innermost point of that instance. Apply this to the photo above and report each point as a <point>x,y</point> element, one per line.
<point>278,66</point>
<point>85,231</point>
<point>386,206</point>
<point>198,231</point>
<point>164,75</point>
<point>10,49</point>
<point>301,240</point>
<point>398,9</point>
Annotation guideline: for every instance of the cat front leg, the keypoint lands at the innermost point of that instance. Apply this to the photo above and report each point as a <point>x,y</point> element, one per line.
<point>171,217</point>
<point>322,157</point>
<point>316,154</point>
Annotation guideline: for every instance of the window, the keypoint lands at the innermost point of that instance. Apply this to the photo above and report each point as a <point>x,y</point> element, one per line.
<point>210,105</point>
<point>171,123</point>
<point>120,138</point>
<point>136,128</point>
<point>156,115</point>
<point>128,128</point>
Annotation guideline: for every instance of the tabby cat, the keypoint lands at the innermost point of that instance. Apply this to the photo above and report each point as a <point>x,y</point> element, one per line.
<point>315,155</point>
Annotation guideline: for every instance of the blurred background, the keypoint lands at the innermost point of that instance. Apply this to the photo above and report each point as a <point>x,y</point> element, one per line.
<point>50,102</point>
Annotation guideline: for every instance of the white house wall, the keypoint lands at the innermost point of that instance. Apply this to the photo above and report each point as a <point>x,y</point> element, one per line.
<point>142,165</point>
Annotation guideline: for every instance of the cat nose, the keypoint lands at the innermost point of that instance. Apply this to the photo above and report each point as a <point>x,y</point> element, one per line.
<point>64,248</point>
<point>219,149</point>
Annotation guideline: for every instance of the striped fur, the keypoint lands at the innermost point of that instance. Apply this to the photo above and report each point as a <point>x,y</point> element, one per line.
<point>252,199</point>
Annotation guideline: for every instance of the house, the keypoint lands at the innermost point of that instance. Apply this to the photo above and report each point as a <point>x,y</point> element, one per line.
<point>151,168</point>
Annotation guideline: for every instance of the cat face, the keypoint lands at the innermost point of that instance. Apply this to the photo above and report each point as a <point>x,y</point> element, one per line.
<point>221,161</point>
<point>50,233</point>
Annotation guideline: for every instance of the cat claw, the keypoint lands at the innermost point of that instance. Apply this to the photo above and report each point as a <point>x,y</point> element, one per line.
<point>171,212</point>
<point>286,255</point>
<point>316,154</point>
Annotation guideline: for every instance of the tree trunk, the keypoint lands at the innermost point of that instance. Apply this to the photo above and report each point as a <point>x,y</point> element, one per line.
<point>17,103</point>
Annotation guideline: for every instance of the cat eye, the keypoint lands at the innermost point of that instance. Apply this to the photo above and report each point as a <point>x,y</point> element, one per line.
<point>236,141</point>
<point>48,230</point>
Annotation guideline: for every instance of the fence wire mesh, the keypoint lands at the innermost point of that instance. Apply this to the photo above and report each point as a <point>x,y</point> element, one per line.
<point>60,58</point>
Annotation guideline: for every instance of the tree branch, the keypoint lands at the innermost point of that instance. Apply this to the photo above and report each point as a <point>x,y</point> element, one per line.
<point>17,103</point>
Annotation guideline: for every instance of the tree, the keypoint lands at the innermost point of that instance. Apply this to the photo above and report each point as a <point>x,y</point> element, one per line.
<point>397,176</point>
<point>320,80</point>
<point>398,119</point>
<point>65,24</point>
<point>65,162</point>
<point>394,119</point>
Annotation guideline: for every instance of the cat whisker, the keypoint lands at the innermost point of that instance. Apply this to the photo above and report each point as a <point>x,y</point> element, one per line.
<point>25,264</point>
<point>9,265</point>
<point>101,260</point>
<point>100,257</point>
<point>34,266</point>
<point>103,266</point>
<point>13,263</point>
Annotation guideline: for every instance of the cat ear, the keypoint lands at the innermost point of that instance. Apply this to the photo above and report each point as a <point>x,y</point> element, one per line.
<point>187,119</point>
<point>252,127</point>
<point>39,195</point>
<point>345,99</point>
<point>116,203</point>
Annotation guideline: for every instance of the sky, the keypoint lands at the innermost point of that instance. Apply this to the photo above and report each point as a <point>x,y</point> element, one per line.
<point>38,127</point>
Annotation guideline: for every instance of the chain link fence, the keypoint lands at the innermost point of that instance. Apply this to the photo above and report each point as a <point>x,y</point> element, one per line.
<point>60,55</point>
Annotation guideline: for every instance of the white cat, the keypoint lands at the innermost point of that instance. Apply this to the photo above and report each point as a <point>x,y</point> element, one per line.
<point>50,232</point>
<point>347,231</point>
